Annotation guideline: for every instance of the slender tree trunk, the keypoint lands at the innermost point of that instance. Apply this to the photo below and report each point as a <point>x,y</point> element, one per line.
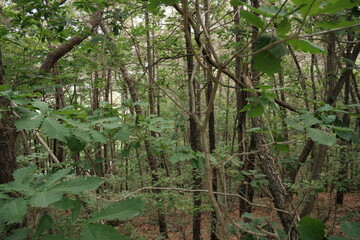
<point>7,136</point>
<point>151,158</point>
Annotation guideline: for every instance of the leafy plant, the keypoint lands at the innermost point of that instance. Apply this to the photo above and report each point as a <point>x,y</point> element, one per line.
<point>30,192</point>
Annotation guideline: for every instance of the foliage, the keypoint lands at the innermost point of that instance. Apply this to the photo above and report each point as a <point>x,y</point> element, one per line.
<point>59,191</point>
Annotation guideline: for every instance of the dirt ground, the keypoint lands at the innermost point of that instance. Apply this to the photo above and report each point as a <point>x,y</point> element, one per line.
<point>180,224</point>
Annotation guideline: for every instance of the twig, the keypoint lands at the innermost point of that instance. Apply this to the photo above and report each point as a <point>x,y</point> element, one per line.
<point>39,138</point>
<point>190,190</point>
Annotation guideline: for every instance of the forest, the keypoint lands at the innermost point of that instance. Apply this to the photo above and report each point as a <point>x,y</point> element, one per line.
<point>179,119</point>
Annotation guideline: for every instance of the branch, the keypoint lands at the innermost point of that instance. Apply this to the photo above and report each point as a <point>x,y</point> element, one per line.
<point>66,47</point>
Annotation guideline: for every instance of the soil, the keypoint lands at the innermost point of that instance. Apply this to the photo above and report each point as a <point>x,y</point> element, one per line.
<point>180,223</point>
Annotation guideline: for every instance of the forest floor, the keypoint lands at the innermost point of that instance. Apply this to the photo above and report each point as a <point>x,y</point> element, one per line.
<point>180,223</point>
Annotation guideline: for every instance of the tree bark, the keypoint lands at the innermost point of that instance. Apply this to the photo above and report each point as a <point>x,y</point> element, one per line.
<point>7,136</point>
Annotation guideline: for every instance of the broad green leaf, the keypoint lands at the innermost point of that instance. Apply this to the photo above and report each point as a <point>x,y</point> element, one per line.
<point>19,234</point>
<point>247,107</point>
<point>306,46</point>
<point>337,24</point>
<point>267,63</point>
<point>4,196</point>
<point>351,229</point>
<point>280,146</point>
<point>256,110</point>
<point>75,211</point>
<point>121,210</point>
<point>64,204</point>
<point>18,187</point>
<point>269,60</point>
<point>95,231</point>
<point>58,175</point>
<point>42,106</point>
<point>15,211</point>
<point>321,137</point>
<point>123,134</point>
<point>283,27</point>
<point>29,122</point>
<point>252,19</point>
<point>328,119</point>
<point>337,238</point>
<point>310,120</point>
<point>78,185</point>
<point>44,199</point>
<point>270,11</point>
<point>169,2</point>
<point>180,157</point>
<point>277,50</point>
<point>311,229</point>
<point>236,3</point>
<point>22,174</point>
<point>45,223</point>
<point>335,6</point>
<point>325,108</point>
<point>307,7</point>
<point>54,129</point>
<point>97,136</point>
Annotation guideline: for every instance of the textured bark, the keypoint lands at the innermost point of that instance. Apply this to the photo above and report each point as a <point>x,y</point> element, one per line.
<point>66,47</point>
<point>7,136</point>
<point>195,140</point>
<point>282,199</point>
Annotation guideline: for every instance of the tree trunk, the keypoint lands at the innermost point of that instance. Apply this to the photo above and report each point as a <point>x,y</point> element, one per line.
<point>7,136</point>
<point>151,158</point>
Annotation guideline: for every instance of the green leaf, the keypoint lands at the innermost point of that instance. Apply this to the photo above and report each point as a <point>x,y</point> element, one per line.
<point>321,137</point>
<point>42,106</point>
<point>351,229</point>
<point>45,223</point>
<point>337,238</point>
<point>337,24</point>
<point>19,234</point>
<point>306,46</point>
<point>310,120</point>
<point>78,185</point>
<point>44,199</point>
<point>180,157</point>
<point>269,11</point>
<point>277,50</point>
<point>15,211</point>
<point>252,19</point>
<point>95,231</point>
<point>75,211</point>
<point>54,129</point>
<point>30,122</point>
<point>64,204</point>
<point>18,187</point>
<point>123,134</point>
<point>283,27</point>
<point>267,63</point>
<point>256,110</point>
<point>121,210</point>
<point>24,173</point>
<point>236,3</point>
<point>307,7</point>
<point>335,6</point>
<point>58,175</point>
<point>269,60</point>
<point>325,108</point>
<point>311,229</point>
<point>97,136</point>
